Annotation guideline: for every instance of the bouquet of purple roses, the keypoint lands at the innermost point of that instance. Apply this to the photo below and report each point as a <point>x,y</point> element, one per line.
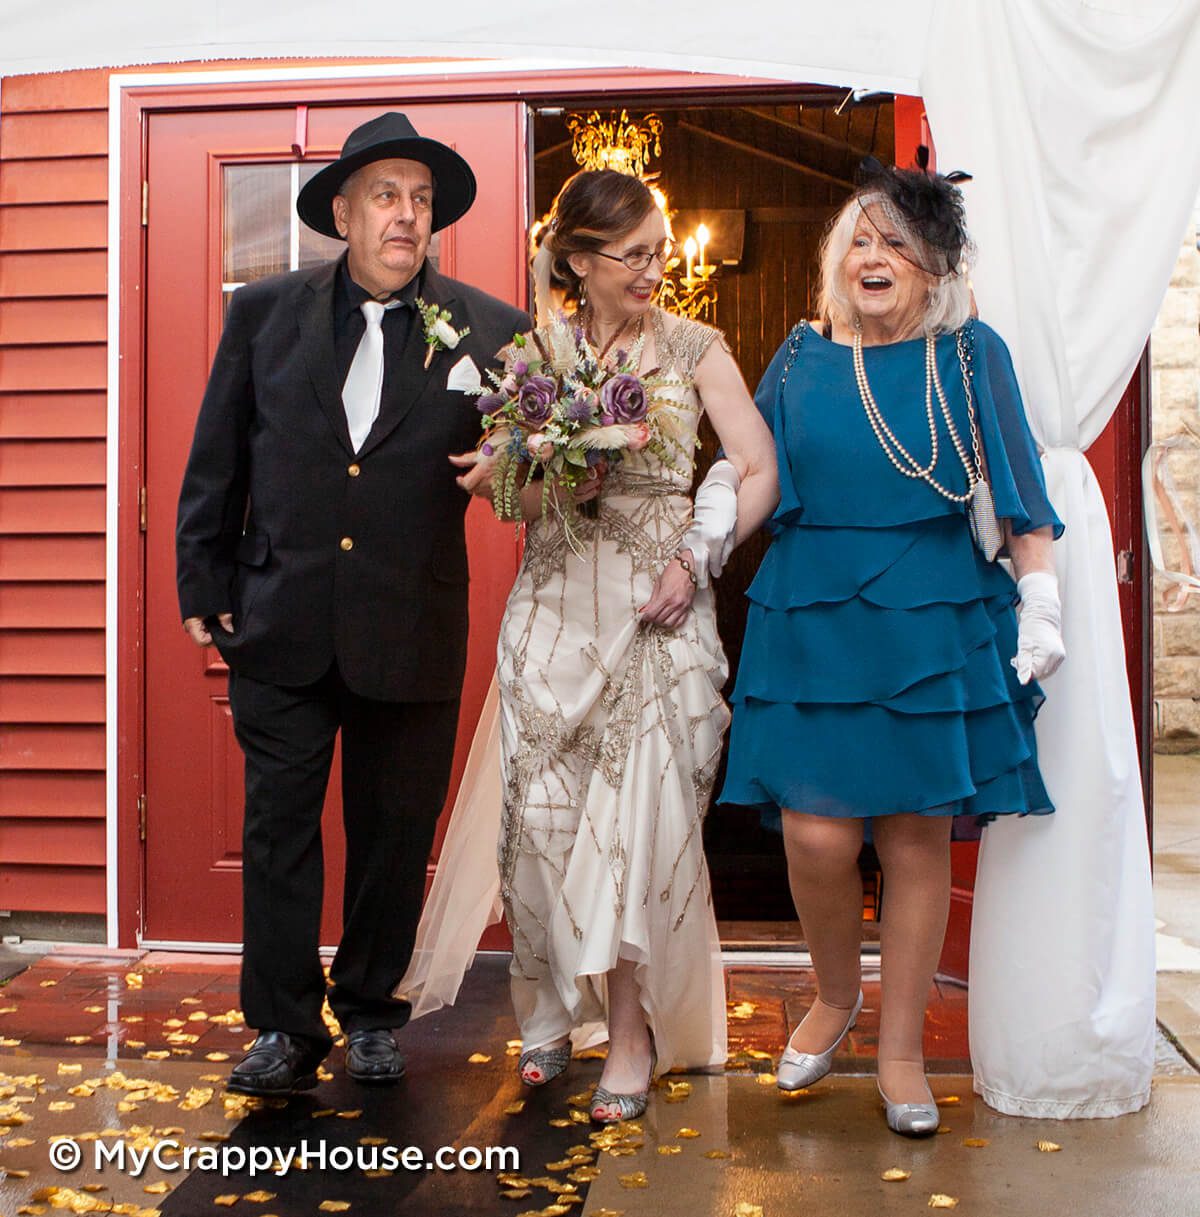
<point>558,408</point>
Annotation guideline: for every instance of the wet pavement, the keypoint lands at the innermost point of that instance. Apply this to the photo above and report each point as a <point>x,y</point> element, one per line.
<point>130,1051</point>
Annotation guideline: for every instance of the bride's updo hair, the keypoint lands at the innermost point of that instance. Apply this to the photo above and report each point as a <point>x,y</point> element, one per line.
<point>594,207</point>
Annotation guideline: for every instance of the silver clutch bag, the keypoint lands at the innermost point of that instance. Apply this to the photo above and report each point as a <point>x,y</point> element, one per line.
<point>981,518</point>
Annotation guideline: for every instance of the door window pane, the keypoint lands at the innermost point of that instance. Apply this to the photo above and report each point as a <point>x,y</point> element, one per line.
<point>260,231</point>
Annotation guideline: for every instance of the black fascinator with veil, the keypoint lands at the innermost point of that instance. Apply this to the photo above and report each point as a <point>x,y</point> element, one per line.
<point>927,209</point>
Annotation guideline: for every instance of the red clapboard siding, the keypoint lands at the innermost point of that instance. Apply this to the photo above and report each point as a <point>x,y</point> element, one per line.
<point>26,559</point>
<point>61,842</point>
<point>35,699</point>
<point>51,653</point>
<point>56,747</point>
<point>52,462</point>
<point>51,91</point>
<point>54,274</point>
<point>32,369</point>
<point>70,226</point>
<point>65,133</point>
<point>40,510</point>
<point>81,180</point>
<point>51,415</point>
<point>55,889</point>
<point>47,322</point>
<point>51,605</point>
<point>53,380</point>
<point>47,795</point>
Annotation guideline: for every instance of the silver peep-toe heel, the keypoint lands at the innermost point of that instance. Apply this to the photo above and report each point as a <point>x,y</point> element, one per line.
<point>629,1106</point>
<point>910,1119</point>
<point>799,1069</point>
<point>549,1062</point>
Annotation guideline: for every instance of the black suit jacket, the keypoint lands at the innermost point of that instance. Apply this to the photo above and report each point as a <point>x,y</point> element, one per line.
<point>322,554</point>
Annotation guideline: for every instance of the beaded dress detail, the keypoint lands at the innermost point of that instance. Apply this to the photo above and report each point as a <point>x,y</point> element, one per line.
<point>610,740</point>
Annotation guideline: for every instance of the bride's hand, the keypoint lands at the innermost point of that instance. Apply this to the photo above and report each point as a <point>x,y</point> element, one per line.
<point>478,478</point>
<point>671,600</point>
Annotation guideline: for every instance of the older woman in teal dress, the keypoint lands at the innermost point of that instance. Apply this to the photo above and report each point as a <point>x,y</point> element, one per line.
<point>886,681</point>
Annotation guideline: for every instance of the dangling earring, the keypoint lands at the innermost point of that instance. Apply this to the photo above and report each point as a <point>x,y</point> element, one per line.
<point>858,322</point>
<point>582,294</point>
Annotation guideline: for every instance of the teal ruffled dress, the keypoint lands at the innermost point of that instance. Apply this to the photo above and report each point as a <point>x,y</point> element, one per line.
<point>875,675</point>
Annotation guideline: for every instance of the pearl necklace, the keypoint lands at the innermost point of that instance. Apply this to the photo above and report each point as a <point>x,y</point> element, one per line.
<point>903,460</point>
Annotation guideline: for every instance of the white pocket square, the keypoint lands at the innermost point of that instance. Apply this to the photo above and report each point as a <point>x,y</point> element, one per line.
<point>464,376</point>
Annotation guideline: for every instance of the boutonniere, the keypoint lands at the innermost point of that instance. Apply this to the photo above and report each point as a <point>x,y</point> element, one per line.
<point>440,335</point>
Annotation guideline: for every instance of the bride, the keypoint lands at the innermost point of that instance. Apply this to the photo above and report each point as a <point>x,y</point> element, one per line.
<point>609,676</point>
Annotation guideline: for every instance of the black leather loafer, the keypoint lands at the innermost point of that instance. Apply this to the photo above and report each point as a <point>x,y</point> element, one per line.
<point>277,1064</point>
<point>372,1056</point>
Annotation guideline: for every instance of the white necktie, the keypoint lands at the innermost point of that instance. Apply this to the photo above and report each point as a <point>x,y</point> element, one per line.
<point>364,382</point>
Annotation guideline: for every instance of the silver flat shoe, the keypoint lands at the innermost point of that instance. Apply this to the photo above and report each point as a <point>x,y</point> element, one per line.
<point>799,1069</point>
<point>911,1119</point>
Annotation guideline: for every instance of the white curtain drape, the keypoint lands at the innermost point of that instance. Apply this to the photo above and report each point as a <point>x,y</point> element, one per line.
<point>1077,120</point>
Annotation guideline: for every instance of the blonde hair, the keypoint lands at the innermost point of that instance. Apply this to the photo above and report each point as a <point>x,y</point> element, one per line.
<point>949,296</point>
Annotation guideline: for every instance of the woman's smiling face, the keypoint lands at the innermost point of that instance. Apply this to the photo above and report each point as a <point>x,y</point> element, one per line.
<point>883,285</point>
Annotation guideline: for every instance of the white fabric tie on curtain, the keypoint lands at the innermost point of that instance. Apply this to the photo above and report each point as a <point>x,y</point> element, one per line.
<point>1069,116</point>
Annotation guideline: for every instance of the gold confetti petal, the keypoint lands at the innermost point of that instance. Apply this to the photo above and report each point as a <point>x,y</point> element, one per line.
<point>687,1133</point>
<point>156,1189</point>
<point>216,1056</point>
<point>372,1140</point>
<point>559,1122</point>
<point>948,1100</point>
<point>61,1105</point>
<point>515,1108</point>
<point>716,1153</point>
<point>940,1200</point>
<point>133,980</point>
<point>608,1213</point>
<point>765,1079</point>
<point>10,1173</point>
<point>350,1115</point>
<point>517,1193</point>
<point>64,1068</point>
<point>976,1142</point>
<point>894,1174</point>
<point>478,1058</point>
<point>259,1197</point>
<point>226,1201</point>
<point>1048,1147</point>
<point>668,1150</point>
<point>334,1206</point>
<point>636,1179</point>
<point>745,1209</point>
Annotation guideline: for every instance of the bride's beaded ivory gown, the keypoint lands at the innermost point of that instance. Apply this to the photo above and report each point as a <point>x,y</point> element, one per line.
<point>611,735</point>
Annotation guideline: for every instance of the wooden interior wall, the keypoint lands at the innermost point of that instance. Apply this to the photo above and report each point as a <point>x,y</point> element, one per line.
<point>53,217</point>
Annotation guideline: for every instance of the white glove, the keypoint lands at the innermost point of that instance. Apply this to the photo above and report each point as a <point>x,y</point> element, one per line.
<point>1040,648</point>
<point>714,521</point>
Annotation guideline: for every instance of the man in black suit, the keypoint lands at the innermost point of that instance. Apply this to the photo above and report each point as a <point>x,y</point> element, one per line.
<point>320,546</point>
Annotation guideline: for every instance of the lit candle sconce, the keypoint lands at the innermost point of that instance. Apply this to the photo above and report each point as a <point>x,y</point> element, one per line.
<point>695,295</point>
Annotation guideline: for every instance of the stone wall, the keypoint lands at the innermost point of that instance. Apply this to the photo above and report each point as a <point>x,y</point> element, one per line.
<point>1175,402</point>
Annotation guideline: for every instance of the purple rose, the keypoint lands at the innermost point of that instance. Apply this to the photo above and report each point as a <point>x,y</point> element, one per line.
<point>624,397</point>
<point>519,368</point>
<point>536,398</point>
<point>489,403</point>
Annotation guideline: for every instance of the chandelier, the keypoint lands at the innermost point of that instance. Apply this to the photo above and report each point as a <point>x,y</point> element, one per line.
<point>614,143</point>
<point>626,145</point>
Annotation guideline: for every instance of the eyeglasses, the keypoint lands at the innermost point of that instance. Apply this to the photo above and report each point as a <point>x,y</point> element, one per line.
<point>640,259</point>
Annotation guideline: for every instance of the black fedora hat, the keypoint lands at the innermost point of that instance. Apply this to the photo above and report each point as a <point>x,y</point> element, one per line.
<point>390,135</point>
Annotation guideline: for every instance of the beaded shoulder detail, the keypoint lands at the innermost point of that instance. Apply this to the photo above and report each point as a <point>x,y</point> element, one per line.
<point>684,345</point>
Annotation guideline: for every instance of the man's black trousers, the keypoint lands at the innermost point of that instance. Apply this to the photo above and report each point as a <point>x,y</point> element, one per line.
<point>396,760</point>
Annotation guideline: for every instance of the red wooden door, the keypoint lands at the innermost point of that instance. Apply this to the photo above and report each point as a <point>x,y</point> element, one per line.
<point>219,194</point>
